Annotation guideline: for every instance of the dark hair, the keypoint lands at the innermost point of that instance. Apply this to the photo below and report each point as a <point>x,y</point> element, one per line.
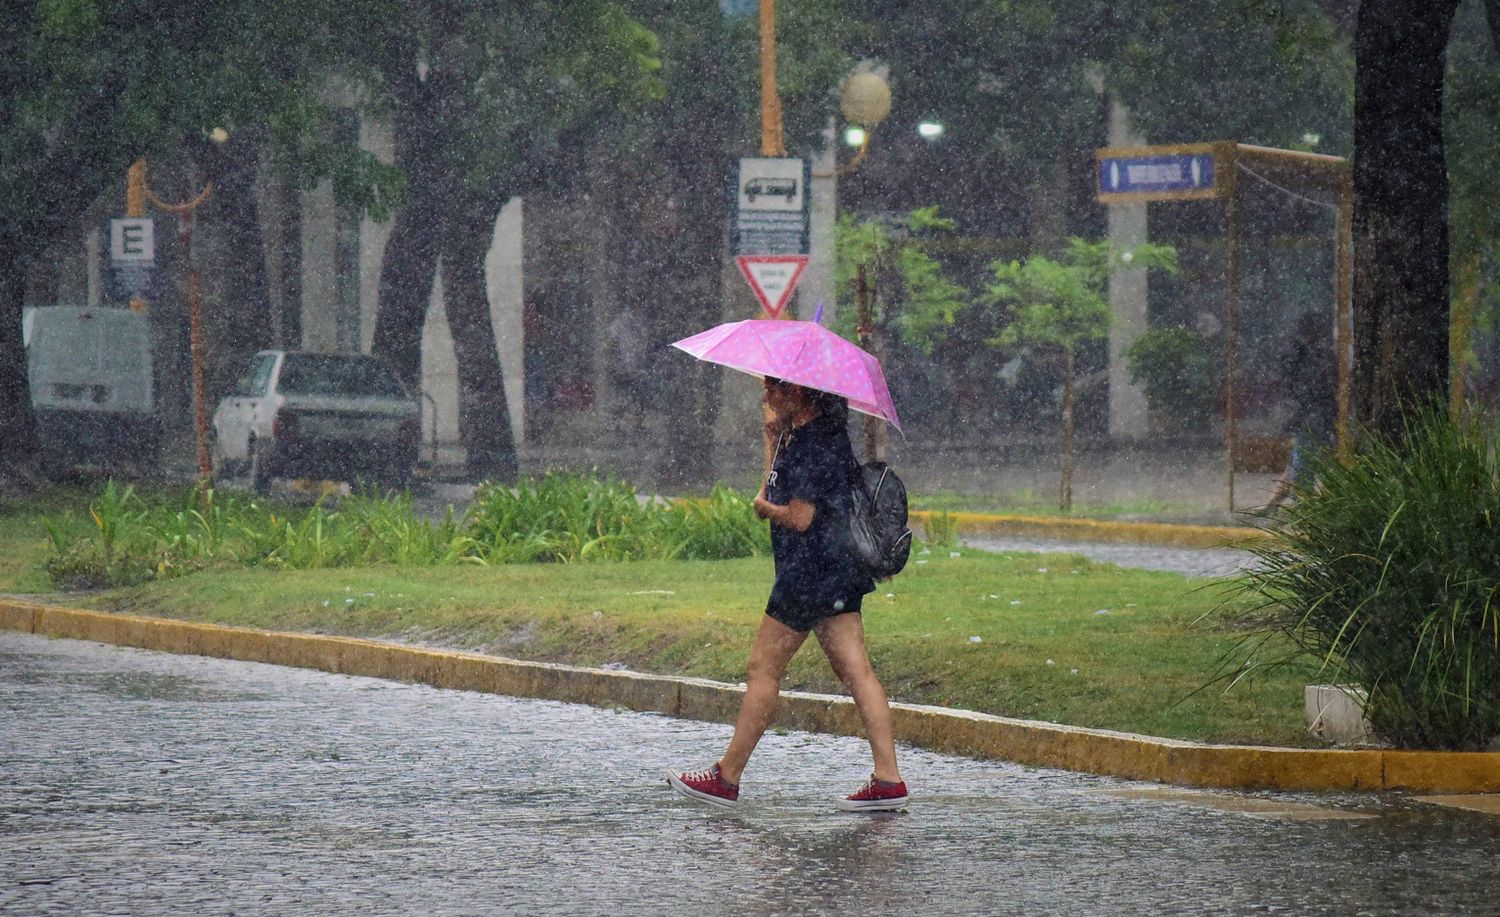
<point>834,407</point>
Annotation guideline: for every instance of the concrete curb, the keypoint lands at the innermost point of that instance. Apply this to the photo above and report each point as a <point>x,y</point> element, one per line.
<point>1095,751</point>
<point>1150,533</point>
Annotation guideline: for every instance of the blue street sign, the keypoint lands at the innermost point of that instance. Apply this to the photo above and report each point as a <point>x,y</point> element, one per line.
<point>1159,174</point>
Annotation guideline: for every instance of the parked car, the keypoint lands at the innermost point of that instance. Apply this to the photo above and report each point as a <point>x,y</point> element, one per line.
<point>317,415</point>
<point>90,375</point>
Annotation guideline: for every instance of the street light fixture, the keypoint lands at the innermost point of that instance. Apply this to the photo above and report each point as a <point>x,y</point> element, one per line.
<point>930,130</point>
<point>865,100</point>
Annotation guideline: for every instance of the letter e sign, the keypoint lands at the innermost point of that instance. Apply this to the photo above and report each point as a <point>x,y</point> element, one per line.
<point>132,241</point>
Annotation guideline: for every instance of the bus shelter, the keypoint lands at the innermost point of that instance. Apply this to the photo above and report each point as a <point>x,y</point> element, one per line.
<point>1214,171</point>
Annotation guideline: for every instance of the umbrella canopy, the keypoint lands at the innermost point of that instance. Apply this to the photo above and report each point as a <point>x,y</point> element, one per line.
<point>802,352</point>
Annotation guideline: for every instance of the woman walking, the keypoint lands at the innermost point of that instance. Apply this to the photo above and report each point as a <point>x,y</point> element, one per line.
<point>819,588</point>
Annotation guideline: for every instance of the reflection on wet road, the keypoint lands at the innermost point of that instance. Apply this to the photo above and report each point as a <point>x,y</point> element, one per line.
<point>147,783</point>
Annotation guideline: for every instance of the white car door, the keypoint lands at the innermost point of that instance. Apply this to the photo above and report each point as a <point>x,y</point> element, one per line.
<point>236,414</point>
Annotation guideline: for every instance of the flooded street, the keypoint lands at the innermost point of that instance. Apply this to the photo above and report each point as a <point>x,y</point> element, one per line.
<point>145,783</point>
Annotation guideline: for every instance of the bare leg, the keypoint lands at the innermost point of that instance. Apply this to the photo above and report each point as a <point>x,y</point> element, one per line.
<point>843,641</point>
<point>775,644</point>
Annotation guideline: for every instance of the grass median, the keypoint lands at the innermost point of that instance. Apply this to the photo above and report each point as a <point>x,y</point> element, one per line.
<point>1051,637</point>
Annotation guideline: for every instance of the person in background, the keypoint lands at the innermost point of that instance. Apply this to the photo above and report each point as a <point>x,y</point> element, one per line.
<point>819,589</point>
<point>1311,379</point>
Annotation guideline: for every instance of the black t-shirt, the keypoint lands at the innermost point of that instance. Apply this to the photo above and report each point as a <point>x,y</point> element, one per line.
<point>815,568</point>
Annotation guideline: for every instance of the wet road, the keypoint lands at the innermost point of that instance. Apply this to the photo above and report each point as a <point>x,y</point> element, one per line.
<point>1187,561</point>
<point>138,782</point>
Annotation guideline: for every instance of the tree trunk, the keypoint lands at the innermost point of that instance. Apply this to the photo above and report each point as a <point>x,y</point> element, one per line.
<point>409,265</point>
<point>239,323</point>
<point>1466,304</point>
<point>483,414</point>
<point>1066,502</point>
<point>286,247</point>
<point>691,293</point>
<point>17,425</point>
<point>1401,282</point>
<point>407,271</point>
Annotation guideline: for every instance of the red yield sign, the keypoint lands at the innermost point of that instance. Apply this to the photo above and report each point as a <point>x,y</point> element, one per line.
<point>772,278</point>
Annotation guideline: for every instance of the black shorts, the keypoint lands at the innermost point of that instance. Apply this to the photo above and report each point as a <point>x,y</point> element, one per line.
<point>805,617</point>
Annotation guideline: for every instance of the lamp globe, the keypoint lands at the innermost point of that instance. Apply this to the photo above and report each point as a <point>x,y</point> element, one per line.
<point>866,99</point>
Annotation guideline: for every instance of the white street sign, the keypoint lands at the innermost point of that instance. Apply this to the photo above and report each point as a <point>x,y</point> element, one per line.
<point>132,241</point>
<point>771,206</point>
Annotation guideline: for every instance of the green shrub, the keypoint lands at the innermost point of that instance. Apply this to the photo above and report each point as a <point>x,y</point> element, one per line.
<point>1171,365</point>
<point>1390,574</point>
<point>119,550</point>
<point>941,531</point>
<point>555,518</point>
<point>722,527</point>
<point>559,517</point>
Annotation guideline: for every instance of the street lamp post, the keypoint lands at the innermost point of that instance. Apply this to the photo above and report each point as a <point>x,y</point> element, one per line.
<point>138,193</point>
<point>865,101</point>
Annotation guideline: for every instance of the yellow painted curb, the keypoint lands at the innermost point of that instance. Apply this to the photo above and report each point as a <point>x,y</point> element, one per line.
<point>1152,533</point>
<point>1095,751</point>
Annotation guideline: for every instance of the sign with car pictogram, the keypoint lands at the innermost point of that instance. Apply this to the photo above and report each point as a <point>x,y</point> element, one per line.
<point>771,206</point>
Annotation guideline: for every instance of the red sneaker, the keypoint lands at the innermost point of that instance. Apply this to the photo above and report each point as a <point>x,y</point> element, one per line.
<point>876,796</point>
<point>706,786</point>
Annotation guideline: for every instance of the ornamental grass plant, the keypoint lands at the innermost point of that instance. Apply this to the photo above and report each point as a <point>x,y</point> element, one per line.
<point>1389,573</point>
<point>130,537</point>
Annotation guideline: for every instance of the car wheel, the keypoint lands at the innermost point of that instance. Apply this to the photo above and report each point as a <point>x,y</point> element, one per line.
<point>260,468</point>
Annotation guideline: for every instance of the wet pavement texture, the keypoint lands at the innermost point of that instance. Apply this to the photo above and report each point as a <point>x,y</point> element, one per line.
<point>1195,562</point>
<point>140,782</point>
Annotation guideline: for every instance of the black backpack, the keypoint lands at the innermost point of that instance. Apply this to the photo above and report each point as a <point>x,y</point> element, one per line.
<point>877,520</point>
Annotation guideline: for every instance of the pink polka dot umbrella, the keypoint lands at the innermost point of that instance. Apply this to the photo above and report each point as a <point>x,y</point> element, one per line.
<point>802,352</point>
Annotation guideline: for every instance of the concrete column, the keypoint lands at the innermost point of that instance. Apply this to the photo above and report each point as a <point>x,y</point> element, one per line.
<point>817,284</point>
<point>1127,294</point>
<point>503,270</point>
<point>93,247</point>
<point>376,137</point>
<point>440,379</point>
<point>320,285</point>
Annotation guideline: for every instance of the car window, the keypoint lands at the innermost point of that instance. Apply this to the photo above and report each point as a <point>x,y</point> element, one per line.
<point>256,377</point>
<point>338,376</point>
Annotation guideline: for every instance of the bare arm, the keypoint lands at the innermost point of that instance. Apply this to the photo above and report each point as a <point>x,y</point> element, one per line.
<point>796,515</point>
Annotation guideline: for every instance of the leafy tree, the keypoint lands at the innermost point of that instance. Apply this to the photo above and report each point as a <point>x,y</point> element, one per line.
<point>667,172</point>
<point>88,87</point>
<point>906,290</point>
<point>1471,114</point>
<point>484,111</point>
<point>1060,306</point>
<point>1017,86</point>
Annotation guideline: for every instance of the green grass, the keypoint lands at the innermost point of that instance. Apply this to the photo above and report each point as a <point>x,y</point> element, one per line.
<point>24,546</point>
<point>1139,668</point>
